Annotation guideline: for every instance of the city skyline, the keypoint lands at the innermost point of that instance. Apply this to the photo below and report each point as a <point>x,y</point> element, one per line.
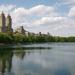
<point>5,23</point>
<point>54,16</point>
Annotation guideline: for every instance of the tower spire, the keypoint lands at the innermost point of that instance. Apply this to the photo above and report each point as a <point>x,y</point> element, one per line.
<point>2,13</point>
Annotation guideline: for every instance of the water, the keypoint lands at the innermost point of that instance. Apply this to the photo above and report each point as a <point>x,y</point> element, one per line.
<point>57,59</point>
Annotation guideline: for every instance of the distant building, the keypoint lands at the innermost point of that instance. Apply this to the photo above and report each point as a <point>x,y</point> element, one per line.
<point>20,30</point>
<point>5,23</point>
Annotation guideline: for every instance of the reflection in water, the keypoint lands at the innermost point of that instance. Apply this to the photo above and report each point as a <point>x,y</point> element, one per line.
<point>55,61</point>
<point>20,53</point>
<point>5,61</point>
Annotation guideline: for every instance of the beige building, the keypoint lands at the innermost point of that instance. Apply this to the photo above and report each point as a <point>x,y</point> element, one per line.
<point>9,24</point>
<point>20,30</point>
<point>2,23</point>
<point>5,23</point>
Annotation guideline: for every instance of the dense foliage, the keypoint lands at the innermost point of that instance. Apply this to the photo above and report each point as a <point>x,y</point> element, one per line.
<point>7,38</point>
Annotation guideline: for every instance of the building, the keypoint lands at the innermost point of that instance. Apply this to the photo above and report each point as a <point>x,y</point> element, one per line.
<point>9,24</point>
<point>5,23</point>
<point>2,23</point>
<point>20,30</point>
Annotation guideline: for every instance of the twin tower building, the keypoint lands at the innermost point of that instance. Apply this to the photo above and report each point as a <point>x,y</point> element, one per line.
<point>5,23</point>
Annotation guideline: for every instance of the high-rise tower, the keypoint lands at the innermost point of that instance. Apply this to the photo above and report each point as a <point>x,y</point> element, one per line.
<point>2,23</point>
<point>9,24</point>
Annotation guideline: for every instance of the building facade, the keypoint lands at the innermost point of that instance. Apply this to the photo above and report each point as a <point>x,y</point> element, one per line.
<point>20,30</point>
<point>5,23</point>
<point>9,24</point>
<point>2,23</point>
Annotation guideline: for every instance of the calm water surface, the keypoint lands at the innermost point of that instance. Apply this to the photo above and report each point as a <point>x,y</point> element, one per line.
<point>59,60</point>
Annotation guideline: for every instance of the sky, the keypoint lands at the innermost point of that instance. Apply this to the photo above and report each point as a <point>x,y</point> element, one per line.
<point>54,16</point>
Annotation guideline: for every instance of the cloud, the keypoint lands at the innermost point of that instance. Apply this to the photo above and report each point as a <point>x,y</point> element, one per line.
<point>62,26</point>
<point>72,12</point>
<point>7,8</point>
<point>48,20</point>
<point>36,10</point>
<point>42,10</point>
<point>41,18</point>
<point>25,16</point>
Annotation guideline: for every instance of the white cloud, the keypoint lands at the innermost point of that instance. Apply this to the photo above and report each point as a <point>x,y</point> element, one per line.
<point>72,12</point>
<point>41,18</point>
<point>55,25</point>
<point>22,15</point>
<point>6,8</point>
<point>36,10</point>
<point>48,20</point>
<point>42,10</point>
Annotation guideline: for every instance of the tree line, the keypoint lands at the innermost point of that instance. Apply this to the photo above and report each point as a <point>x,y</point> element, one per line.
<point>11,38</point>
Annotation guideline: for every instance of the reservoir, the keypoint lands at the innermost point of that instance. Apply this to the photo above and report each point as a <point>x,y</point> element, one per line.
<point>38,59</point>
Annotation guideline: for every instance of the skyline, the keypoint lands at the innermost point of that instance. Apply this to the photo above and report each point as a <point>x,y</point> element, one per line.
<point>54,16</point>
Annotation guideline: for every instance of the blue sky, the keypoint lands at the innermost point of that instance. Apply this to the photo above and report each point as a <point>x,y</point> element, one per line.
<point>54,16</point>
<point>62,8</point>
<point>28,3</point>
